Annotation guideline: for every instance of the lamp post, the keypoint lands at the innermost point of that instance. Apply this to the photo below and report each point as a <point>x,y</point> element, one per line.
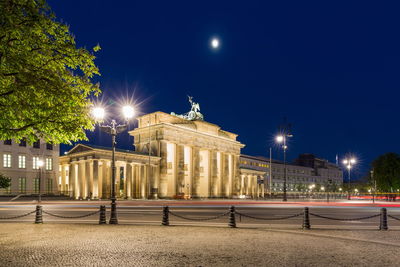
<point>113,129</point>
<point>349,163</point>
<point>281,139</point>
<point>374,188</point>
<point>40,164</point>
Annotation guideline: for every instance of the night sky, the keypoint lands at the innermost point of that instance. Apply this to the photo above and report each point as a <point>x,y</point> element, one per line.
<point>332,69</point>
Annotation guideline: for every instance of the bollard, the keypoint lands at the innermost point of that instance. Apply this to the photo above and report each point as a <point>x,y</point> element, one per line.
<point>383,225</point>
<point>38,217</point>
<point>306,219</point>
<point>102,219</point>
<point>232,219</point>
<point>165,217</point>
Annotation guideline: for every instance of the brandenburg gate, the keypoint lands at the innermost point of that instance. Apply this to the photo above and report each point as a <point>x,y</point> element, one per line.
<point>175,156</point>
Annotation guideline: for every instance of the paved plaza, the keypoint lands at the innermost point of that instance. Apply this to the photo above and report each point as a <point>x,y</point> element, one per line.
<point>24,244</point>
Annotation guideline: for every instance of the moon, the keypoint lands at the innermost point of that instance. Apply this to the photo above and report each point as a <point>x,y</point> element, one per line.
<point>215,43</point>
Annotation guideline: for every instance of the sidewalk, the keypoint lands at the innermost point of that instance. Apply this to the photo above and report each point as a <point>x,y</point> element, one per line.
<point>124,245</point>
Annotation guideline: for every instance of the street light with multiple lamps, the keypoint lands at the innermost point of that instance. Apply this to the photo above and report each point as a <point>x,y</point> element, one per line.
<point>349,163</point>
<point>281,139</point>
<point>113,129</point>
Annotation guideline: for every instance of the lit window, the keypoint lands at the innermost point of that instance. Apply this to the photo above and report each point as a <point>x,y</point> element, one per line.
<point>49,164</point>
<point>35,163</point>
<point>22,185</point>
<point>7,160</point>
<point>36,185</point>
<point>21,162</point>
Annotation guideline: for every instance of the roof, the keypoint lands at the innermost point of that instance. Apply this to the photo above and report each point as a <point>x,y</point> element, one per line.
<point>261,158</point>
<point>106,148</point>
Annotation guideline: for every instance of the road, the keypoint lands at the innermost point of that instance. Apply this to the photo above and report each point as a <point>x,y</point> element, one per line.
<point>142,212</point>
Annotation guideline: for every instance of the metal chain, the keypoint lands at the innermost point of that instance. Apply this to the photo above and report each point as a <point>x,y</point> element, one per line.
<point>391,216</point>
<point>344,219</point>
<point>18,216</point>
<point>270,219</point>
<point>71,217</point>
<point>199,219</point>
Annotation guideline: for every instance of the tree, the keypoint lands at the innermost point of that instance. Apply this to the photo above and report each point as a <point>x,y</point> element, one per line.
<point>5,182</point>
<point>45,80</point>
<point>386,172</point>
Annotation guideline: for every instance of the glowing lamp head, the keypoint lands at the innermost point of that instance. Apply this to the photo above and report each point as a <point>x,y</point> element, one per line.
<point>353,161</point>
<point>279,138</point>
<point>98,113</point>
<point>128,112</point>
<point>40,163</point>
<point>345,161</point>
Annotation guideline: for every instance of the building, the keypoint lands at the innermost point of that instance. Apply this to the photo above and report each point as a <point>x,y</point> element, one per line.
<point>305,171</point>
<point>175,156</point>
<point>20,162</point>
<point>85,172</point>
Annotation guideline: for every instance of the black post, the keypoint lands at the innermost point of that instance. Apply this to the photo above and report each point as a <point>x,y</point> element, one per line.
<point>165,218</point>
<point>306,219</point>
<point>38,217</point>
<point>383,223</point>
<point>232,219</point>
<point>102,219</point>
<point>284,169</point>
<point>113,217</point>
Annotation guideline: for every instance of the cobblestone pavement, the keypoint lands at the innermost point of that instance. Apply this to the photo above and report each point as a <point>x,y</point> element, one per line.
<point>24,244</point>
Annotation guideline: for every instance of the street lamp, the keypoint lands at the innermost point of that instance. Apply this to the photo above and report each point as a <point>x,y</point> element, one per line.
<point>349,163</point>
<point>40,164</point>
<point>281,139</point>
<point>113,129</point>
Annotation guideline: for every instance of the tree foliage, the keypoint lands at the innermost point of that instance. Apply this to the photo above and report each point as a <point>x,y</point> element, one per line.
<point>386,172</point>
<point>45,80</point>
<point>5,182</point>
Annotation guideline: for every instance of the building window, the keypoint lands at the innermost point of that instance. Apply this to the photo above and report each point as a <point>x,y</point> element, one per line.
<point>49,164</point>
<point>36,144</point>
<point>22,185</point>
<point>22,142</point>
<point>21,162</point>
<point>7,142</point>
<point>7,160</point>
<point>49,146</point>
<point>49,185</point>
<point>36,185</point>
<point>35,163</point>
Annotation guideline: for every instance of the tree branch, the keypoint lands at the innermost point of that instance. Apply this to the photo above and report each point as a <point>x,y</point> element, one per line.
<point>7,93</point>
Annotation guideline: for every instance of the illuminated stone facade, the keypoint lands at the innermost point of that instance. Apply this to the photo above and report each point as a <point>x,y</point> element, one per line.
<point>187,159</point>
<point>198,159</point>
<point>85,172</point>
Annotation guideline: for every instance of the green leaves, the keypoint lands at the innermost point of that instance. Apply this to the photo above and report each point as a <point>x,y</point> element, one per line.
<point>387,172</point>
<point>45,81</point>
<point>5,182</point>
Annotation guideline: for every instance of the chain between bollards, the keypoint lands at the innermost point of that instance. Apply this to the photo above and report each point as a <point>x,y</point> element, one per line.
<point>383,224</point>
<point>306,219</point>
<point>102,217</point>
<point>38,217</point>
<point>165,218</point>
<point>232,218</point>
